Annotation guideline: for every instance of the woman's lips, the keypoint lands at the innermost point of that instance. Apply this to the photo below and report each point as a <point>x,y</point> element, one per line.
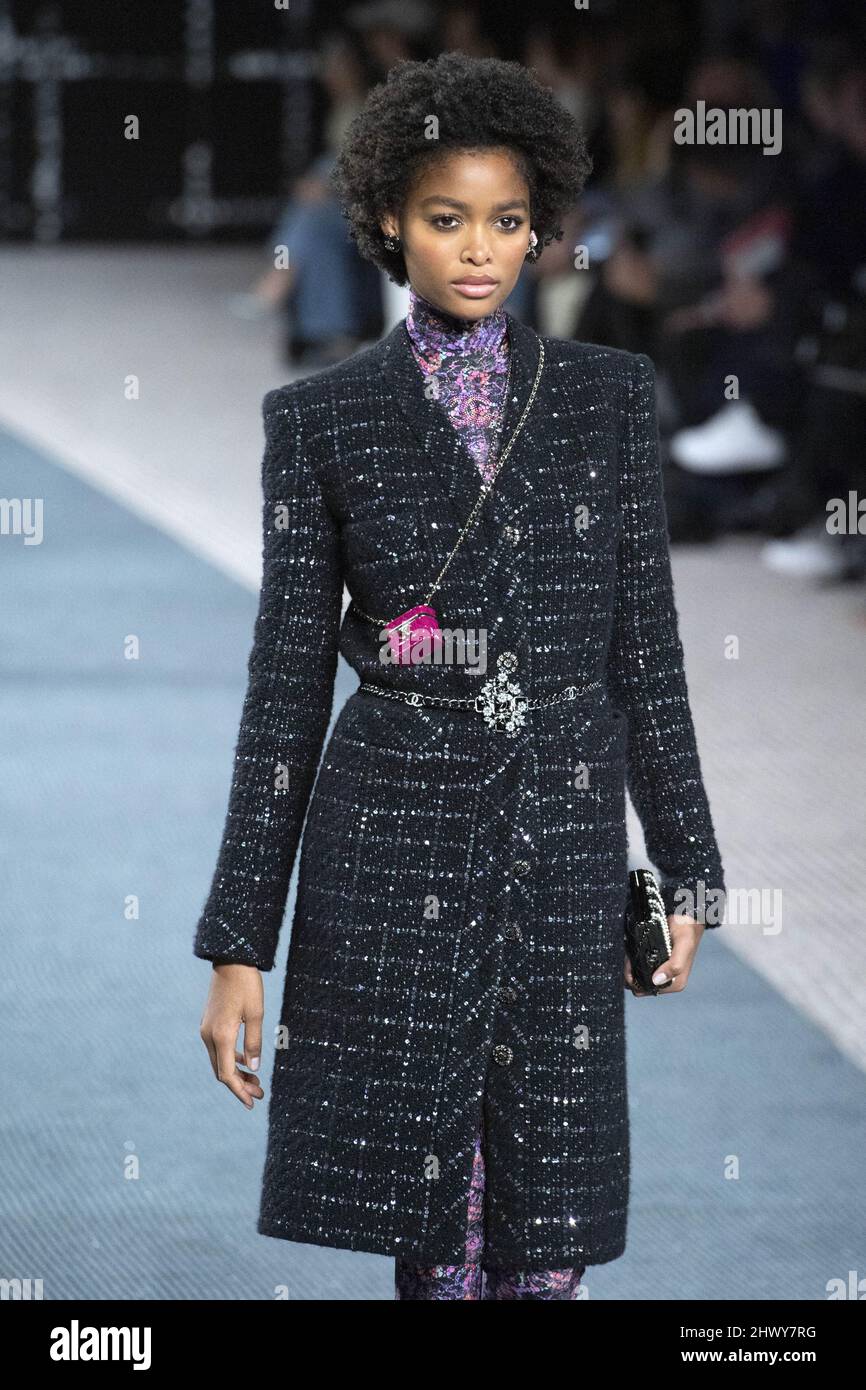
<point>474,291</point>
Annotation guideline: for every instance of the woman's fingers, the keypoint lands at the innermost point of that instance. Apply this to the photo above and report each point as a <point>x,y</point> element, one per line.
<point>251,1082</point>
<point>685,937</point>
<point>224,1061</point>
<point>628,980</point>
<point>227,1070</point>
<point>673,974</point>
<point>253,1019</point>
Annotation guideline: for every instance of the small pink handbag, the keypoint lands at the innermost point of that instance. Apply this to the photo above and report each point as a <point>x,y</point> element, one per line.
<point>416,628</point>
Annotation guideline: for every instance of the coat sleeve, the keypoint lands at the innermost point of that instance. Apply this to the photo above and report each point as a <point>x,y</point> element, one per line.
<point>646,677</point>
<point>287,707</point>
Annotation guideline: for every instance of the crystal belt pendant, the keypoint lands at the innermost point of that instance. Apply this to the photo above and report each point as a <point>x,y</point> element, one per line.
<point>501,700</point>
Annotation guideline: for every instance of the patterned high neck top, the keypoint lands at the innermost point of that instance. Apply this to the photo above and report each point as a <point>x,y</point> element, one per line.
<point>469,363</point>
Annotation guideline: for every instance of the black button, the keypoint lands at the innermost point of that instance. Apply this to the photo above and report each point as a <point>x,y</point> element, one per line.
<point>507,994</point>
<point>503,1055</point>
<point>521,866</point>
<point>513,932</point>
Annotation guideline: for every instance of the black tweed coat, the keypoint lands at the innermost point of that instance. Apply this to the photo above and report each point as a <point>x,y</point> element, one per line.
<point>457,945</point>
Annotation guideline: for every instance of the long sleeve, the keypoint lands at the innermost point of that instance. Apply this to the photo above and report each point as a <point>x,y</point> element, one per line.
<point>646,677</point>
<point>291,670</point>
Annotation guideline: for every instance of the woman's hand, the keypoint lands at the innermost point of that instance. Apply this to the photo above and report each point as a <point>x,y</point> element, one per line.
<point>686,936</point>
<point>236,996</point>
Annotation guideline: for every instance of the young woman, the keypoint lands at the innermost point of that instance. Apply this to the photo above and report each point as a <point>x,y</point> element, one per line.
<point>449,1085</point>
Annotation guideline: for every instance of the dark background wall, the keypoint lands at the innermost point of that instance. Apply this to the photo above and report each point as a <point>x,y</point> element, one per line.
<point>227,98</point>
<point>224,96</point>
<point>231,108</point>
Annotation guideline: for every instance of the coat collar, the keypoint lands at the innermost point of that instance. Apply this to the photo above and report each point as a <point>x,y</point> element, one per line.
<point>440,445</point>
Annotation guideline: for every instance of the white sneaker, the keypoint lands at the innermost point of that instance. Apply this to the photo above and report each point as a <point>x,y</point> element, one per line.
<point>811,553</point>
<point>734,440</point>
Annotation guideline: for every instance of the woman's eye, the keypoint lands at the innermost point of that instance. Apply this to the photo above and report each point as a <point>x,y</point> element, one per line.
<point>450,217</point>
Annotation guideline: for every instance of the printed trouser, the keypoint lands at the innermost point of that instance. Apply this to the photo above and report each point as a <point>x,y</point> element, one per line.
<point>474,1280</point>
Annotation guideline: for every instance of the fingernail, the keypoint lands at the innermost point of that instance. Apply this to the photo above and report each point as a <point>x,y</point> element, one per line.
<point>254,1064</point>
<point>659,977</point>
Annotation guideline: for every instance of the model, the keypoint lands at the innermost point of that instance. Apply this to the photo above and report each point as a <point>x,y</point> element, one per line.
<point>449,1085</point>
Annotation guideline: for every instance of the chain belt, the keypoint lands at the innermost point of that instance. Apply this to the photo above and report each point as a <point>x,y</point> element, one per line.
<point>500,700</point>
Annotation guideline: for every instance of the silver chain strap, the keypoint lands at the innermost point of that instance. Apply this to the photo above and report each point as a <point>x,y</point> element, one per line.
<point>486,487</point>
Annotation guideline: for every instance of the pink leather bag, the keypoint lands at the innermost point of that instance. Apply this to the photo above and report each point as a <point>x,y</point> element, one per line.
<point>416,628</point>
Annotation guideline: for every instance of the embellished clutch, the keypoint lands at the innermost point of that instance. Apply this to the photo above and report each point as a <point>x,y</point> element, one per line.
<point>647,934</point>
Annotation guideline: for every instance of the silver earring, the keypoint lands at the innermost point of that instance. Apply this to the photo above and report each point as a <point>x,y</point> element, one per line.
<point>532,253</point>
<point>392,243</point>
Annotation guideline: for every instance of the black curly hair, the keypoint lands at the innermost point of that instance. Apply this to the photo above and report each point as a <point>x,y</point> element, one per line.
<point>479,103</point>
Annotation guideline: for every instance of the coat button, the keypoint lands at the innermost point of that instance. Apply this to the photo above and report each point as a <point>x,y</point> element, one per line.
<point>507,994</point>
<point>511,533</point>
<point>521,866</point>
<point>503,1055</point>
<point>513,932</point>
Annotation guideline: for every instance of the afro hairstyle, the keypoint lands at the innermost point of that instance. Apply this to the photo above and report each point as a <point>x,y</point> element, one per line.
<point>479,103</point>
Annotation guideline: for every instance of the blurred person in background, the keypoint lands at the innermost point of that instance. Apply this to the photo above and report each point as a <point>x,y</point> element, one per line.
<point>690,247</point>
<point>824,295</point>
<point>330,297</point>
<point>394,31</point>
<point>463,32</point>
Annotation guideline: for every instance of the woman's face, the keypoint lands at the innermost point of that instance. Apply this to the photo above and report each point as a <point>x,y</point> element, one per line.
<point>467,217</point>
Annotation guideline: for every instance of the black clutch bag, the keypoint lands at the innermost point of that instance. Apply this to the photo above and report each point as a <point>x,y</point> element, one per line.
<point>647,934</point>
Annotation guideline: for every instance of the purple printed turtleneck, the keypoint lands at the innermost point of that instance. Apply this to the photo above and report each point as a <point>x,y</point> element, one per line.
<point>469,363</point>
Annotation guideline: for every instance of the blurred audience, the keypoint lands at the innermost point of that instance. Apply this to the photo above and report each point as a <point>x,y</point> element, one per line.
<point>741,273</point>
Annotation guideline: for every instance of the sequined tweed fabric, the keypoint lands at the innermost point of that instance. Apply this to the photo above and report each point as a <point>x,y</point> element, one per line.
<point>473,1280</point>
<point>456,951</point>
